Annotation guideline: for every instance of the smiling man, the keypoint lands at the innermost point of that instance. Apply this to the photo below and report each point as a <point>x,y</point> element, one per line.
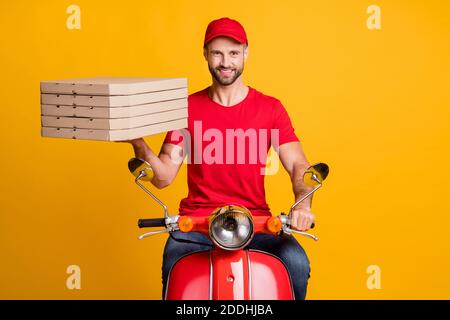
<point>256,121</point>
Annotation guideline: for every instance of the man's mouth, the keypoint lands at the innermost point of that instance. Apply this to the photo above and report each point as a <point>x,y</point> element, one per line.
<point>226,72</point>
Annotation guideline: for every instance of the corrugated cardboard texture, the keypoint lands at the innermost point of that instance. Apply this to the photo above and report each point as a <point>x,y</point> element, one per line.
<point>119,123</point>
<point>113,135</point>
<point>111,85</point>
<point>113,101</point>
<point>117,112</point>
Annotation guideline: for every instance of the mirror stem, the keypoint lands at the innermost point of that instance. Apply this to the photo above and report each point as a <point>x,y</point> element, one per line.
<point>303,198</point>
<point>142,174</point>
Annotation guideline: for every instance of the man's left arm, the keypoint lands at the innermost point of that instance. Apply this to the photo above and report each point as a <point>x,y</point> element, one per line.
<point>294,161</point>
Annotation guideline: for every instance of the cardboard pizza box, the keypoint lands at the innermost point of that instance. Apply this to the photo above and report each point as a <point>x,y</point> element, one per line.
<point>113,101</point>
<point>110,86</point>
<point>113,135</point>
<point>119,123</point>
<point>111,113</point>
<point>113,109</point>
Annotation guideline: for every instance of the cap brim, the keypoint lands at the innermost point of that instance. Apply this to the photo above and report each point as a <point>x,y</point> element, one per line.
<point>237,39</point>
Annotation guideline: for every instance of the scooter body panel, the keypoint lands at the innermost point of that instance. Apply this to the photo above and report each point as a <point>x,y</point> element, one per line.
<point>229,275</point>
<point>269,277</point>
<point>190,278</point>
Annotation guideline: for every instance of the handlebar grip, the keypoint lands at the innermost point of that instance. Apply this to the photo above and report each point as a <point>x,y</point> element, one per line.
<point>148,223</point>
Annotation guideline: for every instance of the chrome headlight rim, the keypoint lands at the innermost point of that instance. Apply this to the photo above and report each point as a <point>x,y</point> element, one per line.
<point>226,210</point>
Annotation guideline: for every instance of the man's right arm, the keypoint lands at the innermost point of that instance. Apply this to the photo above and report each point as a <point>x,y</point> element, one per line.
<point>165,166</point>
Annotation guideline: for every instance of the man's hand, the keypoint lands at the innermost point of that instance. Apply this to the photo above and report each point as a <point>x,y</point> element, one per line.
<point>140,147</point>
<point>165,165</point>
<point>302,219</point>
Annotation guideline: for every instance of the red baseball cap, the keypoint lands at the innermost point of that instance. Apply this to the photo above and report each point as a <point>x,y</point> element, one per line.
<point>225,27</point>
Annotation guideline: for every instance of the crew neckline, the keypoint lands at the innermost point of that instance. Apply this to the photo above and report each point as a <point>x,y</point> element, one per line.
<point>250,89</point>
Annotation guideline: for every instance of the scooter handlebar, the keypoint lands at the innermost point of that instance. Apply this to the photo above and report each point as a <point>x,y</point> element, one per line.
<point>161,222</point>
<point>148,223</point>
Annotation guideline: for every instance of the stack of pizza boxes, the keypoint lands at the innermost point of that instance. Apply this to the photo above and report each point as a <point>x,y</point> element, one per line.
<point>113,109</point>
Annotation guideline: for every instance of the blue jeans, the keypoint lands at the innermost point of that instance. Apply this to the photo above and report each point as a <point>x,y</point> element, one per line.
<point>284,247</point>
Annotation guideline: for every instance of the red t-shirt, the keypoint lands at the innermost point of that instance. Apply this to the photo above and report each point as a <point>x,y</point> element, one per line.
<point>228,150</point>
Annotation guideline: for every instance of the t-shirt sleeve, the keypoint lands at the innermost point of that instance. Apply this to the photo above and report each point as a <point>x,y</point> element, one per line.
<point>283,125</point>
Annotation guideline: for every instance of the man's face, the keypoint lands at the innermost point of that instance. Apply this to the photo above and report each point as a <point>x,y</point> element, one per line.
<point>226,59</point>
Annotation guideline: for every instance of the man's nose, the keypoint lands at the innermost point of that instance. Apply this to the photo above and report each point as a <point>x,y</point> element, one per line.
<point>226,61</point>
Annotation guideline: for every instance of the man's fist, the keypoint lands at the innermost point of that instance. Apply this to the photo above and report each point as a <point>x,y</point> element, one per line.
<point>302,219</point>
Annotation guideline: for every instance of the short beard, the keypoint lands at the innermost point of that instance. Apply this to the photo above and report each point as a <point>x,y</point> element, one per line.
<point>228,81</point>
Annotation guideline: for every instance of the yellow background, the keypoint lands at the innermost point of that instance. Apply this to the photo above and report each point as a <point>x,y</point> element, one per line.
<point>373,104</point>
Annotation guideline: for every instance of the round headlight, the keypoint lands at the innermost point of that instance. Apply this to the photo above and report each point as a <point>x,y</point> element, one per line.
<point>231,227</point>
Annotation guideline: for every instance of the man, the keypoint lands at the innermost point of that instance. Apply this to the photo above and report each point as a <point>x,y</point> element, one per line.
<point>221,172</point>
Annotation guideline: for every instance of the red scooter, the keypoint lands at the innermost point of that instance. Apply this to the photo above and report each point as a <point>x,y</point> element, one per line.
<point>227,271</point>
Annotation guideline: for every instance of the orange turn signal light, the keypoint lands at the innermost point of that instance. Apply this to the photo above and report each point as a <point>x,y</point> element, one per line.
<point>274,224</point>
<point>185,224</point>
